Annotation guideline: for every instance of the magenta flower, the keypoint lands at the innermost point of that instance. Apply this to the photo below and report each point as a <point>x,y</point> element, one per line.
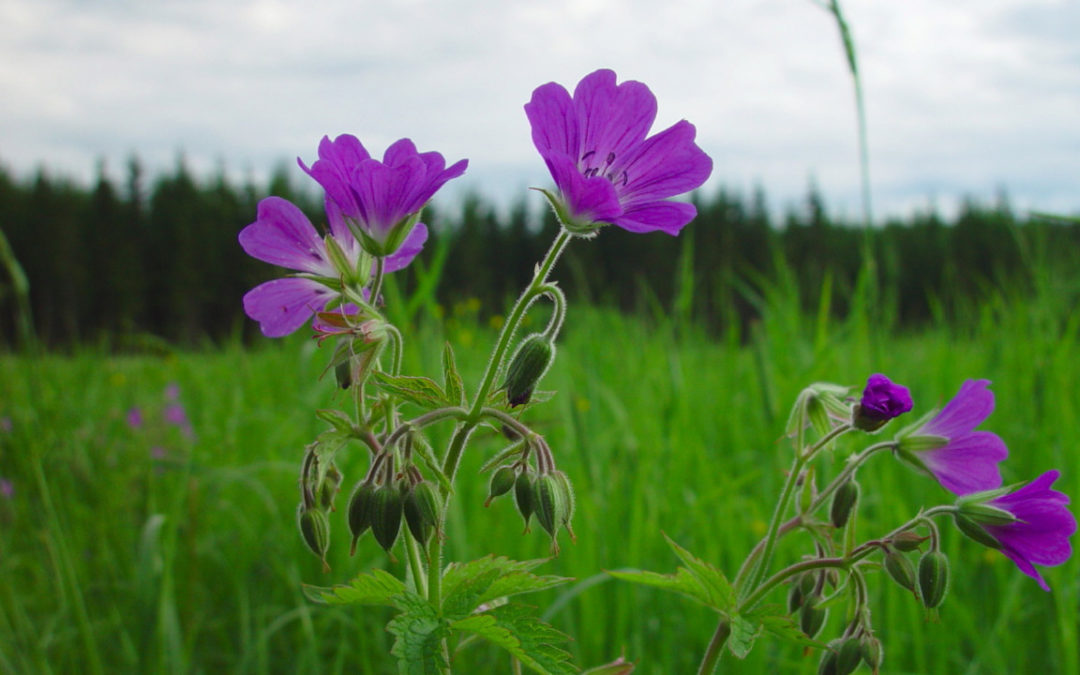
<point>1042,528</point>
<point>379,202</point>
<point>135,417</point>
<point>881,401</point>
<point>963,460</point>
<point>605,168</point>
<point>283,235</point>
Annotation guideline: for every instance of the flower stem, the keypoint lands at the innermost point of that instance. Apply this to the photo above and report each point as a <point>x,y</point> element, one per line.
<point>716,647</point>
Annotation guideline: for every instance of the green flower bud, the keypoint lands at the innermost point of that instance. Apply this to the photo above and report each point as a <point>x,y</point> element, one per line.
<point>841,658</point>
<point>501,482</point>
<point>975,531</point>
<point>343,374</point>
<point>907,541</point>
<point>550,503</point>
<point>570,502</point>
<point>812,617</point>
<point>900,569</point>
<point>933,578</point>
<point>523,496</point>
<point>529,364</point>
<point>386,511</point>
<point>844,500</point>
<point>827,665</point>
<point>315,530</point>
<point>984,514</point>
<point>329,487</point>
<point>872,652</point>
<point>361,506</point>
<point>794,598</point>
<point>421,509</point>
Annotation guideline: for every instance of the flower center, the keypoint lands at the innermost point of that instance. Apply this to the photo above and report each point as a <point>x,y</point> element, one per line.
<point>605,168</point>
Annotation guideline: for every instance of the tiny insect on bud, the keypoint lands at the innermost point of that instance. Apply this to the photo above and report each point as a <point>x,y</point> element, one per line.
<point>843,503</point>
<point>502,480</point>
<point>900,569</point>
<point>315,530</point>
<point>523,496</point>
<point>529,364</point>
<point>421,509</point>
<point>386,514</point>
<point>933,578</point>
<point>975,531</point>
<point>361,505</point>
<point>812,617</point>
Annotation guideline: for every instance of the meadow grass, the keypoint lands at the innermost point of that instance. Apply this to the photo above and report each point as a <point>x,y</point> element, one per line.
<point>143,550</point>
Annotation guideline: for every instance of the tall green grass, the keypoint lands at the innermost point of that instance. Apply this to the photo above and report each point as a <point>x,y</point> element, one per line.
<point>139,550</point>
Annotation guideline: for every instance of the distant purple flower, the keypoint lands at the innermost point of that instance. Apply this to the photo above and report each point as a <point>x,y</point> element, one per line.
<point>379,202</point>
<point>5,424</point>
<point>881,401</point>
<point>135,417</point>
<point>158,453</point>
<point>172,392</point>
<point>283,235</point>
<point>7,488</point>
<point>1043,525</point>
<point>606,170</point>
<point>963,460</point>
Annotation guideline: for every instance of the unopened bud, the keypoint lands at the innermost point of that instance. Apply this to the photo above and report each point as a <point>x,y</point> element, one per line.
<point>569,501</point>
<point>549,502</point>
<point>329,487</point>
<point>386,515</point>
<point>907,541</point>
<point>933,578</point>
<point>872,652</point>
<point>421,509</point>
<point>984,514</point>
<point>361,506</point>
<point>975,531</point>
<point>843,503</point>
<point>900,569</point>
<point>315,530</point>
<point>812,617</point>
<point>343,374</point>
<point>529,364</point>
<point>523,496</point>
<point>502,480</point>
<point>841,658</point>
<point>794,597</point>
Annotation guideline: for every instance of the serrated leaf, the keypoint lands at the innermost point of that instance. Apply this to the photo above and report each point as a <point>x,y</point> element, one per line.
<point>743,634</point>
<point>337,419</point>
<point>419,633</point>
<point>455,389</point>
<point>721,593</point>
<point>775,620</point>
<point>472,584</point>
<point>368,588</point>
<point>682,582</point>
<point>422,391</point>
<point>528,639</point>
<point>503,457</point>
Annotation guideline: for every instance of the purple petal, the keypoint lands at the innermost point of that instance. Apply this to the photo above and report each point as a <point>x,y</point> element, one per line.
<point>587,199</point>
<point>382,190</point>
<point>969,463</point>
<point>340,231</point>
<point>409,249</point>
<point>333,169</point>
<point>399,152</point>
<point>971,405</point>
<point>668,217</point>
<point>283,305</point>
<point>283,235</point>
<point>665,165</point>
<point>554,121</point>
<point>613,119</point>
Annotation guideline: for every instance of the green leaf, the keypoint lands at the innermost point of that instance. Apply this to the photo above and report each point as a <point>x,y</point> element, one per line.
<point>721,595</point>
<point>742,637</point>
<point>775,620</point>
<point>503,457</point>
<point>337,419</point>
<point>423,391</point>
<point>682,582</point>
<point>420,632</point>
<point>368,588</point>
<point>427,455</point>
<point>469,585</point>
<point>528,639</point>
<point>455,389</point>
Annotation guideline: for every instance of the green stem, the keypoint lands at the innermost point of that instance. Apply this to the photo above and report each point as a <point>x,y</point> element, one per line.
<point>397,344</point>
<point>716,647</point>
<point>419,574</point>
<point>376,282</point>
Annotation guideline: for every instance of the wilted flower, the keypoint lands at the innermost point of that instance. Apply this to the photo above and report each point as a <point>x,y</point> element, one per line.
<point>283,235</point>
<point>1040,534</point>
<point>605,168</point>
<point>379,202</point>
<point>963,460</point>
<point>881,401</point>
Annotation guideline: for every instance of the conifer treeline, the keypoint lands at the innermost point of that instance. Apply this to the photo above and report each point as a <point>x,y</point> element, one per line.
<point>117,261</point>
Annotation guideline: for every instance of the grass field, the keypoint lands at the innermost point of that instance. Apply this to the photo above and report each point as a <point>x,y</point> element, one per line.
<point>146,549</point>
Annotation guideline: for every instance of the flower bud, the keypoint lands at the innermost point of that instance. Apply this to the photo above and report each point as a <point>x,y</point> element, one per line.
<point>907,541</point>
<point>843,502</point>
<point>501,482</point>
<point>933,578</point>
<point>900,569</point>
<point>570,502</point>
<point>984,514</point>
<point>386,513</point>
<point>794,597</point>
<point>529,364</point>
<point>329,487</point>
<point>343,374</point>
<point>841,658</point>
<point>421,509</point>
<point>812,617</point>
<point>523,496</point>
<point>872,652</point>
<point>361,506</point>
<point>975,531</point>
<point>315,530</point>
<point>549,502</point>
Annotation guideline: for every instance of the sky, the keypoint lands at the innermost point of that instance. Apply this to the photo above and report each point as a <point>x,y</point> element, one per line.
<point>963,98</point>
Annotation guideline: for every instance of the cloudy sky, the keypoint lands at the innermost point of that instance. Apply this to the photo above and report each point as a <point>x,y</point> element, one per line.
<point>963,97</point>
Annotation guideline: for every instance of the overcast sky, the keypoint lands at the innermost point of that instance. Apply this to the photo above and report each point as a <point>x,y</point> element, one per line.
<point>963,96</point>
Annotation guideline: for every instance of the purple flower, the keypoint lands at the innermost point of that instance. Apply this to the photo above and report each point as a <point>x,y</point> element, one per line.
<point>605,168</point>
<point>881,401</point>
<point>7,488</point>
<point>379,202</point>
<point>963,460</point>
<point>135,417</point>
<point>283,235</point>
<point>5,424</point>
<point>1042,528</point>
